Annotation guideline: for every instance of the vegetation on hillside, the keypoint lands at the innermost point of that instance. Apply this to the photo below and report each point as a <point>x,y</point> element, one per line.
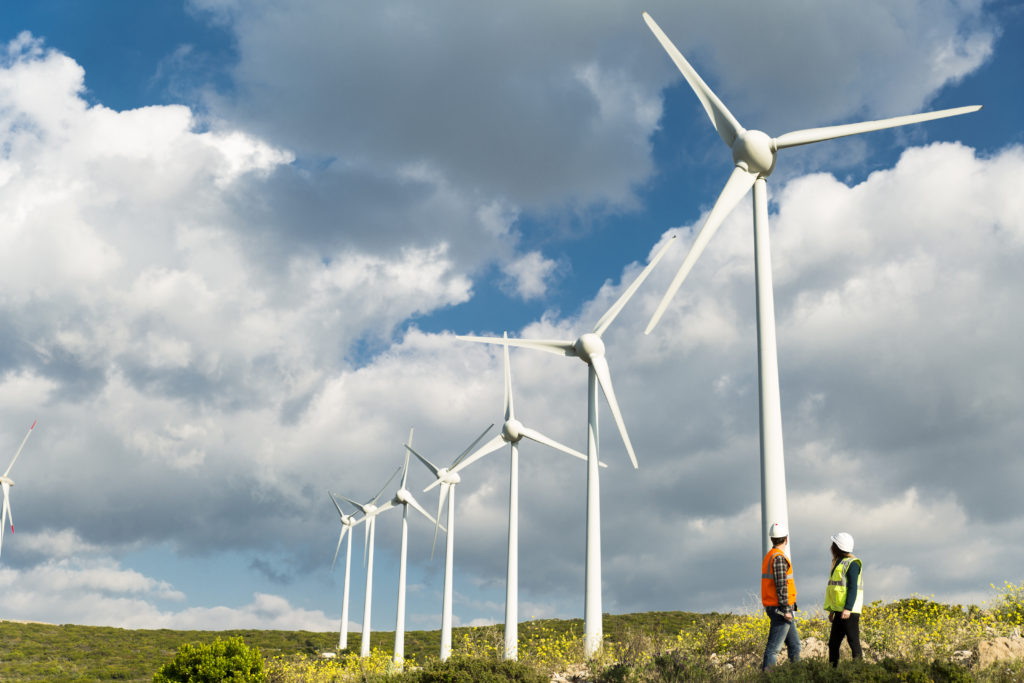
<point>914,639</point>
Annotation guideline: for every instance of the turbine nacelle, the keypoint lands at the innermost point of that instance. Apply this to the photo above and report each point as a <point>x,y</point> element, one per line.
<point>402,497</point>
<point>754,151</point>
<point>512,431</point>
<point>589,346</point>
<point>445,476</point>
<point>7,480</point>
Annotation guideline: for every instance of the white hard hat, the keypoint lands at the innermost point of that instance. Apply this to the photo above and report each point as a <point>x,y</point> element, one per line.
<point>778,530</point>
<point>843,541</point>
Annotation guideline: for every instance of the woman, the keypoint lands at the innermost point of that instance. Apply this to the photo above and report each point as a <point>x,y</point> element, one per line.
<point>844,597</point>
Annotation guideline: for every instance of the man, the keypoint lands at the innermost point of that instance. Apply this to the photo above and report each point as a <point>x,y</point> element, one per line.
<point>778,595</point>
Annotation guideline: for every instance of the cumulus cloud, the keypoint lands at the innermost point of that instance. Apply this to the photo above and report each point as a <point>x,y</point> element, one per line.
<point>530,275</point>
<point>101,592</point>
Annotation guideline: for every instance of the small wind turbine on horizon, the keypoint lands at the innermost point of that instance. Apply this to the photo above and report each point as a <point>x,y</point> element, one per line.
<point>754,153</point>
<point>404,498</point>
<point>347,523</point>
<point>370,510</point>
<point>6,483</point>
<point>512,432</point>
<point>447,479</point>
<point>590,348</point>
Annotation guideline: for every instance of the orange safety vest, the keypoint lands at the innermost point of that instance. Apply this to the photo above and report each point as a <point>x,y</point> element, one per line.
<point>769,596</point>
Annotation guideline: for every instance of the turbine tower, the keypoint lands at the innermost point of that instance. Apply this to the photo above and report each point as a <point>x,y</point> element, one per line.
<point>590,349</point>
<point>447,479</point>
<point>347,522</point>
<point>512,432</point>
<point>6,483</point>
<point>404,498</point>
<point>754,153</point>
<point>370,511</point>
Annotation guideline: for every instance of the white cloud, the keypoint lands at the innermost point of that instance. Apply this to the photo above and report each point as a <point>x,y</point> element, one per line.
<point>100,592</point>
<point>530,275</point>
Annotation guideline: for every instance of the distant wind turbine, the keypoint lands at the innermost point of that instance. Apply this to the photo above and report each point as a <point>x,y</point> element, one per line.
<point>754,154</point>
<point>404,498</point>
<point>347,523</point>
<point>447,479</point>
<point>512,432</point>
<point>590,349</point>
<point>370,511</point>
<point>6,483</point>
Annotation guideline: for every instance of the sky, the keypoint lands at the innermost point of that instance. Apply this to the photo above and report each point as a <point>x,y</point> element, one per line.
<point>239,238</point>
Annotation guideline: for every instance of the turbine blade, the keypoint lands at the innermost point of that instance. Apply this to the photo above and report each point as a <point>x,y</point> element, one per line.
<point>430,466</point>
<point>18,452</point>
<point>739,182</point>
<point>419,508</point>
<point>340,536</point>
<point>509,408</point>
<point>437,522</point>
<point>8,513</point>
<point>494,444</point>
<point>547,441</point>
<point>340,513</point>
<point>405,470</point>
<point>3,519</point>
<point>472,445</point>
<point>809,135</point>
<point>359,506</point>
<point>721,118</point>
<point>556,346</point>
<point>386,506</point>
<point>375,498</point>
<point>608,317</point>
<point>604,377</point>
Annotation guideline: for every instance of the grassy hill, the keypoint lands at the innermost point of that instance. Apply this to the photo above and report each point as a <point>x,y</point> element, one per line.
<point>45,652</point>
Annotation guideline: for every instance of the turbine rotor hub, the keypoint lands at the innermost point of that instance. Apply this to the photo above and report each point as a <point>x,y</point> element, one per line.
<point>589,346</point>
<point>512,431</point>
<point>753,151</point>
<point>7,480</point>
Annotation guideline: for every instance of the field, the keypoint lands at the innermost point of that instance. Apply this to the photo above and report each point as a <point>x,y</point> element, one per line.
<point>911,639</point>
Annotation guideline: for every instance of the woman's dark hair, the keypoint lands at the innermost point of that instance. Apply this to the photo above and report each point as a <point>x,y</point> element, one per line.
<point>837,554</point>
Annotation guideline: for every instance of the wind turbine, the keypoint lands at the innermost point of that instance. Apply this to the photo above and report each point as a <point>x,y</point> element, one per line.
<point>370,511</point>
<point>512,432</point>
<point>6,483</point>
<point>347,523</point>
<point>447,479</point>
<point>754,154</point>
<point>404,498</point>
<point>590,349</point>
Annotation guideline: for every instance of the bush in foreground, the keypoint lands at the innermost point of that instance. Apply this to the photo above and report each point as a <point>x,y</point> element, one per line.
<point>228,661</point>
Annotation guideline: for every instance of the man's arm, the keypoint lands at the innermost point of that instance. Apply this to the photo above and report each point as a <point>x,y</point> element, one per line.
<point>779,567</point>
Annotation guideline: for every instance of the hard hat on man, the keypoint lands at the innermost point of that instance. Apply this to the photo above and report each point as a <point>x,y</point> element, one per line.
<point>778,530</point>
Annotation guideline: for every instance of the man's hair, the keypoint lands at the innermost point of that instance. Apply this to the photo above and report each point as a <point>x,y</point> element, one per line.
<point>776,542</point>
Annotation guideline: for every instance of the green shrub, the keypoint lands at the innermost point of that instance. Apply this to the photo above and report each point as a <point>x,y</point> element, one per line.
<point>861,671</point>
<point>230,661</point>
<point>471,670</point>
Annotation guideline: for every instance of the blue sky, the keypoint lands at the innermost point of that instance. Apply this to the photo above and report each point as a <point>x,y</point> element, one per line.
<point>239,238</point>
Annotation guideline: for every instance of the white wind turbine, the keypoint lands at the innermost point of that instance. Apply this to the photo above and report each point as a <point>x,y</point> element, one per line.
<point>590,349</point>
<point>447,479</point>
<point>512,432</point>
<point>370,511</point>
<point>6,483</point>
<point>404,498</point>
<point>347,522</point>
<point>754,154</point>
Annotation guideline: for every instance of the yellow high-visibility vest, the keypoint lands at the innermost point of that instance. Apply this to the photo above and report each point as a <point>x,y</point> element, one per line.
<point>835,591</point>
